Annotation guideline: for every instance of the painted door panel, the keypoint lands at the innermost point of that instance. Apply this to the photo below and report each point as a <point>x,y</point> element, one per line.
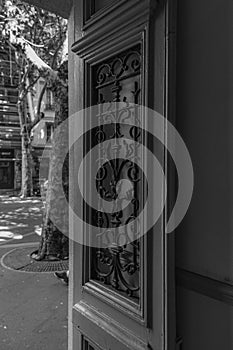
<point>117,295</point>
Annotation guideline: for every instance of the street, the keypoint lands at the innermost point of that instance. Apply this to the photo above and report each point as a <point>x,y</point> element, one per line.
<point>33,305</point>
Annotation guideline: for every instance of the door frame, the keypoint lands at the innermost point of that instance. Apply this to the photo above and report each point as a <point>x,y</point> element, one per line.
<point>76,66</point>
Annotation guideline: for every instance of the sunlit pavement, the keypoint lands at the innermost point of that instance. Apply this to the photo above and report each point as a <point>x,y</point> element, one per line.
<point>19,219</point>
<point>33,306</point>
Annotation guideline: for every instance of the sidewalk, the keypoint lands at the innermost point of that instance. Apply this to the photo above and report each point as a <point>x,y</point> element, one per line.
<point>19,218</point>
<point>33,306</point>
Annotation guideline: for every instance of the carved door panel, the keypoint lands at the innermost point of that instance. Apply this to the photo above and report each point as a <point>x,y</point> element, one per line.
<point>117,293</point>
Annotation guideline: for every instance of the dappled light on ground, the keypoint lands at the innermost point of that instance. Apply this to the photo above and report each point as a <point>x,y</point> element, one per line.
<point>19,218</point>
<point>17,200</point>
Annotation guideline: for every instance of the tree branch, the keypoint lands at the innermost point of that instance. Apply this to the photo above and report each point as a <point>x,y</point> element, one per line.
<point>41,98</point>
<point>46,84</point>
<point>30,86</point>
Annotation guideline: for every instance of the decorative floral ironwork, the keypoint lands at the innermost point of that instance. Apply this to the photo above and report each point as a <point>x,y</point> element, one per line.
<point>118,265</point>
<point>119,68</point>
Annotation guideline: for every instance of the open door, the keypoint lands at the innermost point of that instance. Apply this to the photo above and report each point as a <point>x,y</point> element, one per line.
<point>118,289</point>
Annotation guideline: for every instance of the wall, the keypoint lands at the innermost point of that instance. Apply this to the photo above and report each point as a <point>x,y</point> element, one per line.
<point>204,241</point>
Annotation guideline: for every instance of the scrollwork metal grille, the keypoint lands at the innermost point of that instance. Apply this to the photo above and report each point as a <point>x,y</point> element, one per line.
<point>118,80</point>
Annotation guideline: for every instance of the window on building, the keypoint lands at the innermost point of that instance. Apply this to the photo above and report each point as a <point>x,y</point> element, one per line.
<point>49,132</point>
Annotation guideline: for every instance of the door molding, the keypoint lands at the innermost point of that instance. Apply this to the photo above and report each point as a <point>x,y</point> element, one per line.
<point>87,317</point>
<point>117,29</point>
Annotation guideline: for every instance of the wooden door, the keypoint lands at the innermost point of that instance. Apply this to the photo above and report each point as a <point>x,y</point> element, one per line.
<point>119,292</point>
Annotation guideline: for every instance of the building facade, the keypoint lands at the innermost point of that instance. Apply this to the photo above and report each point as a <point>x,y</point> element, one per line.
<point>10,139</point>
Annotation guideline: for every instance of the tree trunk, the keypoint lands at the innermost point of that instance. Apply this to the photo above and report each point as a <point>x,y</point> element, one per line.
<point>27,186</point>
<point>54,244</point>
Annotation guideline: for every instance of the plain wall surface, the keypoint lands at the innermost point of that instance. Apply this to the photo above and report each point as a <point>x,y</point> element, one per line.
<point>204,323</point>
<point>205,121</point>
<point>204,240</point>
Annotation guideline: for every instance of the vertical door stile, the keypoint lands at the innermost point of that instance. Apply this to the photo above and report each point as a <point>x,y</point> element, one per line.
<point>117,278</point>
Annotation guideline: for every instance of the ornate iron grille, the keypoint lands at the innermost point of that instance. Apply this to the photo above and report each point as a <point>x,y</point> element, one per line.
<point>118,80</point>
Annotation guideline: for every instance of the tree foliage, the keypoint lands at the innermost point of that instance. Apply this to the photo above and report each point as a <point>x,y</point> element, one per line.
<point>37,37</point>
<point>22,23</point>
<point>38,40</point>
